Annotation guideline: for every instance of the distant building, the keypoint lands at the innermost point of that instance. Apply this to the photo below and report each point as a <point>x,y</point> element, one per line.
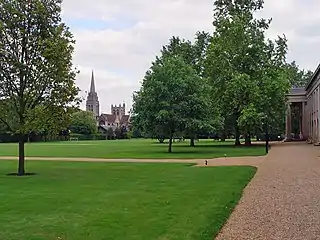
<point>92,103</point>
<point>118,117</point>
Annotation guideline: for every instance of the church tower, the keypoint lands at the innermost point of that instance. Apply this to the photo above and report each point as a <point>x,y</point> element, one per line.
<point>118,111</point>
<point>92,103</point>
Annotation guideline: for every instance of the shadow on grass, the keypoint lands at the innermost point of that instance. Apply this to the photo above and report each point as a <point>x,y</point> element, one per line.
<point>19,175</point>
<point>212,146</point>
<point>216,144</point>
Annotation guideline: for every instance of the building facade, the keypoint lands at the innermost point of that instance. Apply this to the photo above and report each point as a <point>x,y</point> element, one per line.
<point>304,104</point>
<point>118,117</point>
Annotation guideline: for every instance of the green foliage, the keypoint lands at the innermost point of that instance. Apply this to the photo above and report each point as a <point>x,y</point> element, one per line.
<point>37,77</point>
<point>135,132</point>
<point>85,137</point>
<point>202,114</point>
<point>298,78</point>
<point>110,133</point>
<point>3,128</point>
<point>171,96</point>
<point>83,122</point>
<point>247,71</point>
<point>193,54</point>
<point>117,133</point>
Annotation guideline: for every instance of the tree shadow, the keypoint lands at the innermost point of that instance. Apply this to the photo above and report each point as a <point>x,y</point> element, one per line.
<point>18,175</point>
<point>219,146</point>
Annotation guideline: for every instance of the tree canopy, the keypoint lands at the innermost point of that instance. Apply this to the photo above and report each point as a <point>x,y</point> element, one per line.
<point>37,84</point>
<point>83,122</point>
<point>172,98</point>
<point>299,78</point>
<point>246,69</point>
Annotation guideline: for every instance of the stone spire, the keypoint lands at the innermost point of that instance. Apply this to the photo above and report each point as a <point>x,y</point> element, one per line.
<point>92,86</point>
<point>92,103</point>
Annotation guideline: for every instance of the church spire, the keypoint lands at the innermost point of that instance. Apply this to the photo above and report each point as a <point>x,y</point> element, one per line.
<point>92,86</point>
<point>92,103</point>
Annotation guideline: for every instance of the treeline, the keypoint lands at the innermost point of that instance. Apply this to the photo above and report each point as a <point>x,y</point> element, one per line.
<point>232,82</point>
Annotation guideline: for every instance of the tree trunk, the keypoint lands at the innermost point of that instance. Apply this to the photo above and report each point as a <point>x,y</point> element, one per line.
<point>192,142</point>
<point>237,135</point>
<point>223,137</point>
<point>247,140</point>
<point>170,145</point>
<point>21,169</point>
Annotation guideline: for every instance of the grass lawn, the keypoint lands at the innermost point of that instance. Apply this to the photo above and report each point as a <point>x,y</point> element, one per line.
<point>113,201</point>
<point>131,149</point>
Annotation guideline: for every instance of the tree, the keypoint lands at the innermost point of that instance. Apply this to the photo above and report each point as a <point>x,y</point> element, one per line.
<point>36,69</point>
<point>83,122</point>
<point>170,92</point>
<point>193,54</point>
<point>246,70</point>
<point>117,133</point>
<point>110,133</point>
<point>298,78</point>
<point>124,132</point>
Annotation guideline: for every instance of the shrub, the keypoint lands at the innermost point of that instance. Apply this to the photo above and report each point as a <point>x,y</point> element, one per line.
<point>84,137</point>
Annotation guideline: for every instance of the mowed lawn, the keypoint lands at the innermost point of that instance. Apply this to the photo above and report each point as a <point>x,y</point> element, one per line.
<point>133,148</point>
<point>114,201</point>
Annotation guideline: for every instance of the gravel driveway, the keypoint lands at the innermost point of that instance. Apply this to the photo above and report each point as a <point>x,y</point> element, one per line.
<point>283,199</point>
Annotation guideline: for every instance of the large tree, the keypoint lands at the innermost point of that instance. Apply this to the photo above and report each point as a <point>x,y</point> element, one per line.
<point>36,71</point>
<point>193,54</point>
<point>171,99</point>
<point>246,69</point>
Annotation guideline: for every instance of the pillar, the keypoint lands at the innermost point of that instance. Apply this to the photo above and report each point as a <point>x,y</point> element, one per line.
<point>288,123</point>
<point>318,114</point>
<point>304,120</point>
<point>312,117</point>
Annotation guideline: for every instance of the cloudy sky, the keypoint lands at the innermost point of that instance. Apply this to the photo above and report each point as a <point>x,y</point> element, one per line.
<point>119,39</point>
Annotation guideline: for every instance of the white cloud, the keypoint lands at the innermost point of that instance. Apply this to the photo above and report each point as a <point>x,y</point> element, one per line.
<point>121,53</point>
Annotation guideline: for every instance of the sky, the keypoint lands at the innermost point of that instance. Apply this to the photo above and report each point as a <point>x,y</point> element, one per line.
<point>118,40</point>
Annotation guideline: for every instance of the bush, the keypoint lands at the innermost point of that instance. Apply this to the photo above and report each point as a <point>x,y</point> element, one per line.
<point>9,138</point>
<point>13,138</point>
<point>84,137</point>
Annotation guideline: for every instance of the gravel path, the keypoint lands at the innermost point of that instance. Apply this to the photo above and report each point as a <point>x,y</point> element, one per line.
<point>232,161</point>
<point>283,199</point>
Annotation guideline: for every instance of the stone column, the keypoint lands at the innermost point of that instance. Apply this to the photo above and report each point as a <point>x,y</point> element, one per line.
<point>307,120</point>
<point>318,115</point>
<point>304,120</point>
<point>288,123</point>
<point>312,117</point>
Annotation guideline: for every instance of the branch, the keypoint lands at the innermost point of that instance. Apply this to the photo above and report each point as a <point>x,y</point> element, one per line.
<point>6,123</point>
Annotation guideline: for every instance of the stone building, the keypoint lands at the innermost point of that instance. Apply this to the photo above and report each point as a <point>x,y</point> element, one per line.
<point>92,103</point>
<point>116,119</point>
<point>304,105</point>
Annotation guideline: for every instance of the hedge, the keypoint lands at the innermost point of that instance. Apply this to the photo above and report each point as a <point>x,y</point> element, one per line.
<point>83,137</point>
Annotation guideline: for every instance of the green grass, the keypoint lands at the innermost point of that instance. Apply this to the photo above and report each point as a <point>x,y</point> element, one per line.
<point>102,201</point>
<point>132,149</point>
